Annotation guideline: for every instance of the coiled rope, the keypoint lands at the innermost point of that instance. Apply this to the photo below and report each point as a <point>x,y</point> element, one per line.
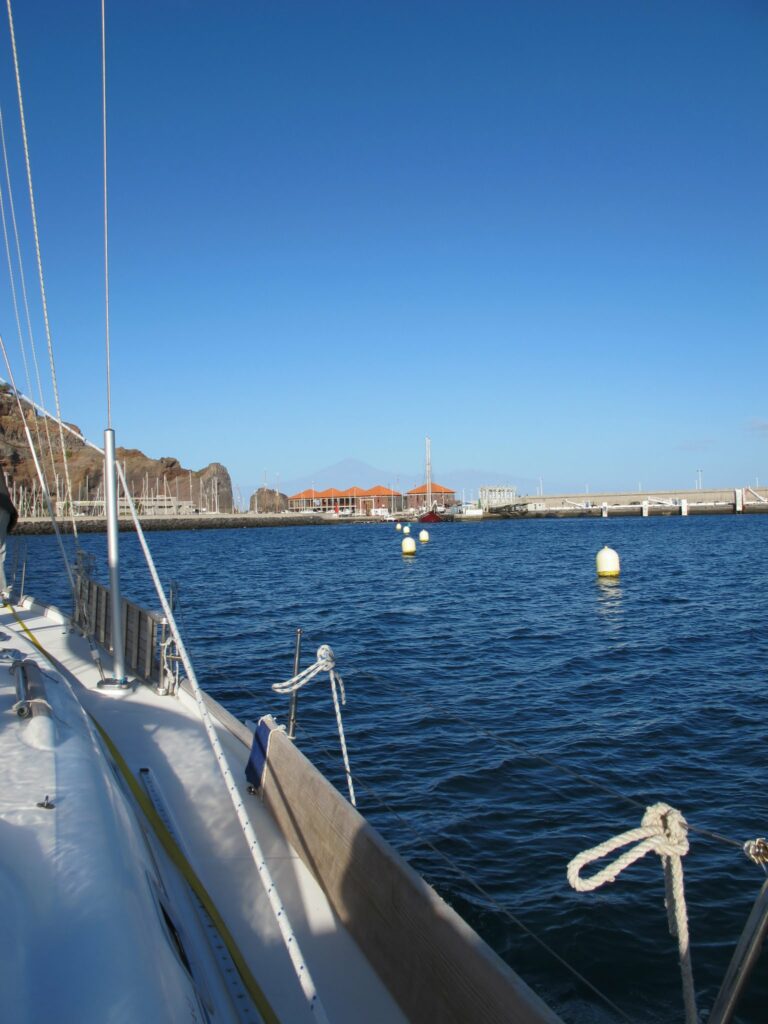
<point>326,662</point>
<point>663,831</point>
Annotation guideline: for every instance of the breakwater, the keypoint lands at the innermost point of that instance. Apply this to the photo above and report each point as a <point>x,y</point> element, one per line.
<point>204,521</point>
<point>739,500</point>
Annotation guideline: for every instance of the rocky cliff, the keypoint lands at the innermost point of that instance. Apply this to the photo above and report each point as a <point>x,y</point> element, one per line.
<point>266,500</point>
<point>152,482</point>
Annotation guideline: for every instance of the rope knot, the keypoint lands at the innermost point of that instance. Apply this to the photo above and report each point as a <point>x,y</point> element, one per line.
<point>664,831</point>
<point>326,660</point>
<point>668,828</point>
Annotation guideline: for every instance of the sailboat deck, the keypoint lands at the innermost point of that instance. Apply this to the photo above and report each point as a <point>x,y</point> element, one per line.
<point>165,736</point>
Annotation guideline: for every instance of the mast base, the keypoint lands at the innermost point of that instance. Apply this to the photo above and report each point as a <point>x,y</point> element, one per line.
<point>114,684</point>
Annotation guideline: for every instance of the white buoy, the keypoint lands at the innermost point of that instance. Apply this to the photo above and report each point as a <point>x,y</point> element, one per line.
<point>406,530</point>
<point>607,562</point>
<point>408,546</point>
<point>398,527</point>
<point>424,536</point>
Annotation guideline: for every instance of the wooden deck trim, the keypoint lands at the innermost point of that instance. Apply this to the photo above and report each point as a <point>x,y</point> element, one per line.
<point>436,967</point>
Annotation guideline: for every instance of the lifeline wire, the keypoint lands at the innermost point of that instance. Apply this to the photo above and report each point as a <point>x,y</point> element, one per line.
<point>520,747</point>
<point>477,886</point>
<point>471,881</point>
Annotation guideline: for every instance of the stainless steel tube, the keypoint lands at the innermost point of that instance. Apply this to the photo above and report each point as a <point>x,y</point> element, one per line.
<point>113,558</point>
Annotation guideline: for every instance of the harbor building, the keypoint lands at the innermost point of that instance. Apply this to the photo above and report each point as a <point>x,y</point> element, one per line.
<point>377,500</point>
<point>492,498</point>
<point>442,496</point>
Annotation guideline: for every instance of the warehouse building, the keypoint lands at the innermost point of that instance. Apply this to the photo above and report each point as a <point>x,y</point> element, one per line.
<point>352,501</point>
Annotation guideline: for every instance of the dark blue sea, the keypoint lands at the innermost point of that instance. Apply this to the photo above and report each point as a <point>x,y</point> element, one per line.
<point>506,710</point>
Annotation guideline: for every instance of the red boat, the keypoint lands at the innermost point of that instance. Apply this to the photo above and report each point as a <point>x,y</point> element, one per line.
<point>431,517</point>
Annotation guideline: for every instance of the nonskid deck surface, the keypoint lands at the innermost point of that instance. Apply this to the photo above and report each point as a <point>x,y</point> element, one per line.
<point>165,735</point>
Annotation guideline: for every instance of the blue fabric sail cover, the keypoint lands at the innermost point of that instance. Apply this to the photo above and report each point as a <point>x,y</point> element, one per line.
<point>254,770</point>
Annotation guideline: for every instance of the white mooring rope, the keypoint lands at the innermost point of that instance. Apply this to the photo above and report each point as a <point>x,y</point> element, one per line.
<point>664,831</point>
<point>326,662</point>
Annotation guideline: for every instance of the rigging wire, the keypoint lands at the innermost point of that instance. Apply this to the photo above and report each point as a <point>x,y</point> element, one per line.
<point>24,296</point>
<point>106,220</point>
<point>44,412</point>
<point>12,281</point>
<point>46,321</point>
<point>40,475</point>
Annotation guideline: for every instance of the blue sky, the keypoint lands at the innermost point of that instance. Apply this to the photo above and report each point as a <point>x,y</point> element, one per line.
<point>536,231</point>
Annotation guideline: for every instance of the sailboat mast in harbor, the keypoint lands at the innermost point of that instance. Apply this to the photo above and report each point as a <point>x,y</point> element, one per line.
<point>429,475</point>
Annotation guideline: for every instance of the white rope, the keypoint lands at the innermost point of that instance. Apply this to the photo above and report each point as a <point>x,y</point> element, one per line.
<point>326,662</point>
<point>663,831</point>
<point>289,937</point>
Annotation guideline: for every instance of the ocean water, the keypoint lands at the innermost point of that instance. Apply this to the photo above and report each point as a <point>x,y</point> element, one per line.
<point>506,710</point>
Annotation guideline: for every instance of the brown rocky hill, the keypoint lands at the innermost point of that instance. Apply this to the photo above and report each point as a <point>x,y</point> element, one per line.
<point>266,500</point>
<point>149,480</point>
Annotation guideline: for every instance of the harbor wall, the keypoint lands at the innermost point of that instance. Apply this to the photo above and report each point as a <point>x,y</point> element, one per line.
<point>644,503</point>
<point>203,521</point>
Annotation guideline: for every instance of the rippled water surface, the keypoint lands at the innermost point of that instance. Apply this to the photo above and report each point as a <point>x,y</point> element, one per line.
<point>490,680</point>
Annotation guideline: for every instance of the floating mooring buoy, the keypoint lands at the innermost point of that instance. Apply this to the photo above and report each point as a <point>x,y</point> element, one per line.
<point>424,536</point>
<point>607,562</point>
<point>408,546</point>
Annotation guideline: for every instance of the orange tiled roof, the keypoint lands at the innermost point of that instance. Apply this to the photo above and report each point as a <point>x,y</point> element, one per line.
<point>351,492</point>
<point>379,491</point>
<point>436,489</point>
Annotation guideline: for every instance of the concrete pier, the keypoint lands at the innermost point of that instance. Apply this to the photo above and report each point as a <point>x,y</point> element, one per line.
<point>740,500</point>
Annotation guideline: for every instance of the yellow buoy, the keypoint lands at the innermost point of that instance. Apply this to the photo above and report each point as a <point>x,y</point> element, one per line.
<point>424,536</point>
<point>406,530</point>
<point>408,546</point>
<point>398,527</point>
<point>607,562</point>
